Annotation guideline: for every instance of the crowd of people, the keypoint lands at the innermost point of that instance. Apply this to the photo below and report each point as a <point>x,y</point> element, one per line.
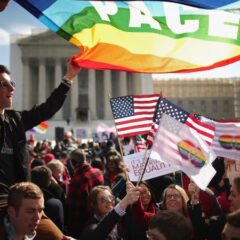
<point>87,195</point>
<point>80,190</point>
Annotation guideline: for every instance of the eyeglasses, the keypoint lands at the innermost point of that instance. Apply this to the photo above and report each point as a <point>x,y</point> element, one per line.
<point>7,84</point>
<point>174,196</point>
<point>107,199</point>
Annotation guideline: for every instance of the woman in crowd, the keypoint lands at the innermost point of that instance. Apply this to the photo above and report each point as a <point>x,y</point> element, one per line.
<point>105,215</point>
<point>174,198</point>
<point>115,169</point>
<point>147,203</point>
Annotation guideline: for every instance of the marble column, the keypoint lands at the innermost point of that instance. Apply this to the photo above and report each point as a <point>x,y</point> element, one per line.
<point>146,83</point>
<point>26,83</point>
<point>42,81</point>
<point>237,98</point>
<point>57,79</point>
<point>122,84</point>
<point>74,91</point>
<point>92,94</point>
<point>106,94</point>
<point>142,83</point>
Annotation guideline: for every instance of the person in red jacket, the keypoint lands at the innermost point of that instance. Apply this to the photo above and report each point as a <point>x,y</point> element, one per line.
<point>84,179</point>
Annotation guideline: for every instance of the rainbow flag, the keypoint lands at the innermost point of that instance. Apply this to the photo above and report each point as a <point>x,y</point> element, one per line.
<point>209,4</point>
<point>41,128</point>
<point>143,36</point>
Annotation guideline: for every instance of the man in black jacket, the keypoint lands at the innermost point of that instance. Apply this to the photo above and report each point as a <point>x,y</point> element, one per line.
<point>14,160</point>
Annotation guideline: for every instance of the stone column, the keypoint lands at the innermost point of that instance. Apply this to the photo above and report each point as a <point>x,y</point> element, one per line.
<point>58,75</point>
<point>237,98</point>
<point>122,84</point>
<point>74,92</point>
<point>26,83</point>
<point>107,92</point>
<point>92,94</point>
<point>137,83</point>
<point>42,81</point>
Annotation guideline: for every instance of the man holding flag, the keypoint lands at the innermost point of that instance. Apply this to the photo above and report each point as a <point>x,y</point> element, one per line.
<point>14,161</point>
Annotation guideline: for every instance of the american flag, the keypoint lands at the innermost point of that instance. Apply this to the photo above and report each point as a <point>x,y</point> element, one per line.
<point>133,114</point>
<point>226,142</point>
<point>140,145</point>
<point>195,160</point>
<point>205,130</point>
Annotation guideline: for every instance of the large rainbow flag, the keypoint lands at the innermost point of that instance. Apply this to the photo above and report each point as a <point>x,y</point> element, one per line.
<point>144,36</point>
<point>209,4</point>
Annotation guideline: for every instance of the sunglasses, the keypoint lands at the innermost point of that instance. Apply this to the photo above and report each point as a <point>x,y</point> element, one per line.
<point>6,84</point>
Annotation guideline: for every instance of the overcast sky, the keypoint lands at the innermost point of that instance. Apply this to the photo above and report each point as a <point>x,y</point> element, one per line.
<point>16,20</point>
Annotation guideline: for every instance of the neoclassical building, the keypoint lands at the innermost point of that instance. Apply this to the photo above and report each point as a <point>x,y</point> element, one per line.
<point>214,97</point>
<point>38,63</point>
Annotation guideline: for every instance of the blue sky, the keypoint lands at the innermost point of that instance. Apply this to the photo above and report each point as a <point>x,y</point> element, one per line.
<point>16,20</point>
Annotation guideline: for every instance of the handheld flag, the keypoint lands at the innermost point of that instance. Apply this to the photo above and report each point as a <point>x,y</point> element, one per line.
<point>226,142</point>
<point>41,128</point>
<point>133,114</point>
<point>205,130</point>
<point>182,146</point>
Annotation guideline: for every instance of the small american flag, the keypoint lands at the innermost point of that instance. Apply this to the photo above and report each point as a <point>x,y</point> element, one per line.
<point>206,131</point>
<point>140,145</point>
<point>133,114</point>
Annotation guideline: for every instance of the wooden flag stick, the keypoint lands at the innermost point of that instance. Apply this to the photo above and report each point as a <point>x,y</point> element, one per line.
<point>143,167</point>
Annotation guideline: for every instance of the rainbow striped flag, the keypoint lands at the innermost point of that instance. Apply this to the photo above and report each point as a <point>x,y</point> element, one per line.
<point>143,36</point>
<point>209,4</point>
<point>41,128</point>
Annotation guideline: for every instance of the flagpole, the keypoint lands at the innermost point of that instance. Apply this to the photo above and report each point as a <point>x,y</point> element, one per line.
<point>119,142</point>
<point>143,167</point>
<point>145,161</point>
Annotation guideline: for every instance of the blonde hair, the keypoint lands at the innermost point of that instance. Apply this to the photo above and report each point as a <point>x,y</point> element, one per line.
<point>183,194</point>
<point>56,164</point>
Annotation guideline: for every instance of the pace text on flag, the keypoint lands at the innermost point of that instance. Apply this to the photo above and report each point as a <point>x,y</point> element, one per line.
<point>144,36</point>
